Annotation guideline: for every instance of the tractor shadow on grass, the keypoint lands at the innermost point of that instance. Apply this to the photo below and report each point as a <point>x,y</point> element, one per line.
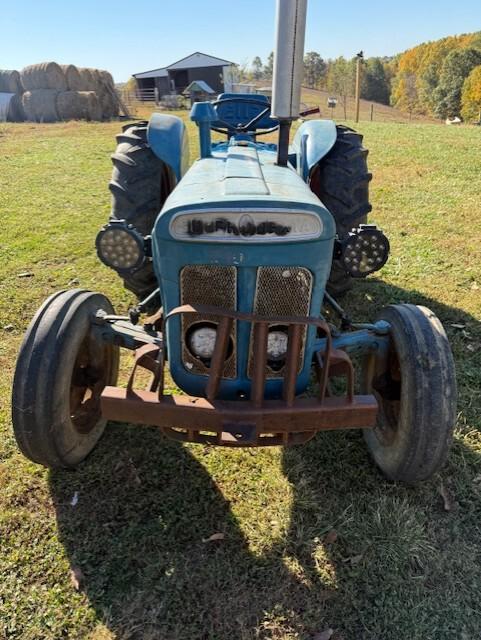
<point>359,554</point>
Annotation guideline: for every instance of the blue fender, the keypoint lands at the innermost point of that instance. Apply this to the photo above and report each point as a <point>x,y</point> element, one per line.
<point>313,140</point>
<point>167,137</point>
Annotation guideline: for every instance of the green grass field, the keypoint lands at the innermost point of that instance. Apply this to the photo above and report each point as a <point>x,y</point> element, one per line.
<point>314,537</point>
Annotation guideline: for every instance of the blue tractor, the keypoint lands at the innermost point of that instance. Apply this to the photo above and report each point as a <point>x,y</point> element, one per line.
<point>237,262</point>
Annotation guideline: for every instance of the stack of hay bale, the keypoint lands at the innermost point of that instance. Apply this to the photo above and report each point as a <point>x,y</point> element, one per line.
<point>53,92</point>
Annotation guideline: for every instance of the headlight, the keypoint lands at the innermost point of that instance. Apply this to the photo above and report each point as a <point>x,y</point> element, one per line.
<point>201,341</point>
<point>120,246</point>
<point>277,344</point>
<point>364,251</point>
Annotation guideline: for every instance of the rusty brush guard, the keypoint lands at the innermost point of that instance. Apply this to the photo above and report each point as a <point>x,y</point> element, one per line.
<point>253,422</point>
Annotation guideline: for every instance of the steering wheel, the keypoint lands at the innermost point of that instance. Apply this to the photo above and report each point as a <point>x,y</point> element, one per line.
<point>247,127</point>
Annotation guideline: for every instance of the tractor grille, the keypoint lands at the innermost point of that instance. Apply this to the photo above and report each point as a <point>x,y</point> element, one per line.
<point>282,291</point>
<point>208,285</point>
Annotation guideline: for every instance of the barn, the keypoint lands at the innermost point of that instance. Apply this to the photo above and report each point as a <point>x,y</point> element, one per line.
<point>216,73</point>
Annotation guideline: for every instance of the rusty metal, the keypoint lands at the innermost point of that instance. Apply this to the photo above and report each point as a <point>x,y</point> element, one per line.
<point>240,423</point>
<point>219,356</point>
<point>274,417</point>
<point>294,346</point>
<point>261,330</point>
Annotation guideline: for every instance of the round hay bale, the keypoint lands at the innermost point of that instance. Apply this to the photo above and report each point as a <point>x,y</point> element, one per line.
<point>16,112</point>
<point>10,82</point>
<point>88,80</point>
<point>45,75</point>
<point>72,77</point>
<point>107,95</point>
<point>40,105</point>
<point>78,105</point>
<point>107,78</point>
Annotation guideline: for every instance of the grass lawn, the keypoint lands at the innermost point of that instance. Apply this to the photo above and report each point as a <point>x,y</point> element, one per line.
<point>314,537</point>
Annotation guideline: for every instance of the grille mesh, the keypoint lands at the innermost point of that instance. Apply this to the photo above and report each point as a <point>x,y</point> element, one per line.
<point>282,291</point>
<point>208,285</point>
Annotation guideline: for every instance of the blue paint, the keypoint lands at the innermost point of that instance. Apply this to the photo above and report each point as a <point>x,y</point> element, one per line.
<point>167,137</point>
<point>203,114</point>
<point>313,140</point>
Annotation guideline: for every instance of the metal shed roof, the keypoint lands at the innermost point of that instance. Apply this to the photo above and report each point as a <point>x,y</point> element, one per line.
<point>193,61</point>
<point>155,73</point>
<point>199,59</point>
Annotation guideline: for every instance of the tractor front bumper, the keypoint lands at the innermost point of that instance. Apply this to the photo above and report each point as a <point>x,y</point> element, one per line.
<point>242,423</point>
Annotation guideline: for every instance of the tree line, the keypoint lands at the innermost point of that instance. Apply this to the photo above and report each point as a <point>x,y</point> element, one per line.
<point>440,78</point>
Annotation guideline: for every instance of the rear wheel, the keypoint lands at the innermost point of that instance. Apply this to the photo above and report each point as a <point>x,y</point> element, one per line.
<point>140,184</point>
<point>415,386</point>
<point>341,181</point>
<point>61,370</point>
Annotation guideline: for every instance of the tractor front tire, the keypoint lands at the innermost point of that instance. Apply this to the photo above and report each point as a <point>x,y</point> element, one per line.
<point>415,386</point>
<point>61,370</point>
<point>341,181</point>
<point>139,185</point>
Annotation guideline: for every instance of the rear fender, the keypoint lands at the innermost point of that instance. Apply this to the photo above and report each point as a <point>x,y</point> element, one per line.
<point>313,140</point>
<point>167,137</point>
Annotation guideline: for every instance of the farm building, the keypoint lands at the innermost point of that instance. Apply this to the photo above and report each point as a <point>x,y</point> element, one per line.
<point>214,72</point>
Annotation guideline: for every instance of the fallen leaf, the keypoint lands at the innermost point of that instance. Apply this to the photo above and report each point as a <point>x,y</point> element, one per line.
<point>74,500</point>
<point>324,635</point>
<point>354,559</point>
<point>214,537</point>
<point>76,577</point>
<point>331,537</point>
<point>448,498</point>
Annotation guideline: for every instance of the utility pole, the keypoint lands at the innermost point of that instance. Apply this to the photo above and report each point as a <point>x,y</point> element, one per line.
<point>359,61</point>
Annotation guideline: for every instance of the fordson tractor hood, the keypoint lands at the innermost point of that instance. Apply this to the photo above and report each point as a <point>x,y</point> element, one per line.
<point>245,175</point>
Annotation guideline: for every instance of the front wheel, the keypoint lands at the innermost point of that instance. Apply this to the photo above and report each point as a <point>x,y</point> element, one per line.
<point>415,386</point>
<point>62,368</point>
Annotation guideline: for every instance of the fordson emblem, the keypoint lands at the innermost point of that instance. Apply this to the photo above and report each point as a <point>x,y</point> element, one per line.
<point>246,227</point>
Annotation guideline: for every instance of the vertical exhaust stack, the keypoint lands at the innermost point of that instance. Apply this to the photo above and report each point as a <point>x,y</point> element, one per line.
<point>288,69</point>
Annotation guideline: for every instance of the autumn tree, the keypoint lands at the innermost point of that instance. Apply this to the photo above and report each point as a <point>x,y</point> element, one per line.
<point>471,96</point>
<point>314,69</point>
<point>456,68</point>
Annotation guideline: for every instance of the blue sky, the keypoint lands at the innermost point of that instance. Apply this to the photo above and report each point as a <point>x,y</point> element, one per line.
<point>126,37</point>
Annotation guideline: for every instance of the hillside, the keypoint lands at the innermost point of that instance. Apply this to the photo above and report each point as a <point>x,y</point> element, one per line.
<point>381,112</point>
<point>440,78</point>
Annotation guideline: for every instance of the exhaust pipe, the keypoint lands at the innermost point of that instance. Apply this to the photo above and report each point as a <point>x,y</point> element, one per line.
<point>288,69</point>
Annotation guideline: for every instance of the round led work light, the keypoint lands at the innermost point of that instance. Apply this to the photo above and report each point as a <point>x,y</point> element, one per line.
<point>364,251</point>
<point>120,246</point>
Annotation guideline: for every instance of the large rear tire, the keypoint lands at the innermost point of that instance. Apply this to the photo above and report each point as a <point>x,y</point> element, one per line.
<point>341,181</point>
<point>415,386</point>
<point>140,184</point>
<point>61,370</point>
